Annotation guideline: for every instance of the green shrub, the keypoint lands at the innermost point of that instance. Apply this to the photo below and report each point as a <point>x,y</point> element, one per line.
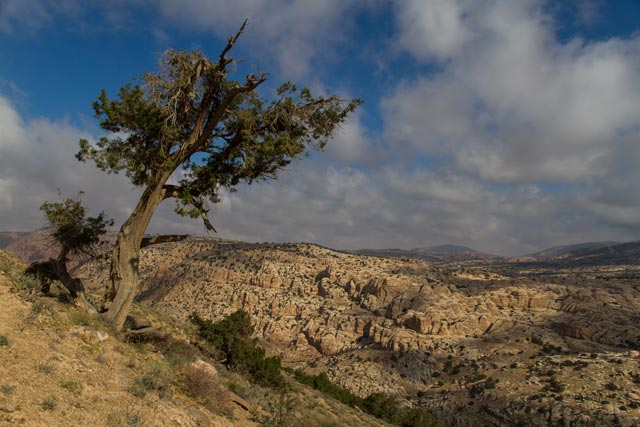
<point>49,404</point>
<point>4,341</point>
<point>155,379</point>
<point>231,339</point>
<point>7,389</point>
<point>379,405</point>
<point>129,418</point>
<point>72,386</point>
<point>322,383</point>
<point>279,413</point>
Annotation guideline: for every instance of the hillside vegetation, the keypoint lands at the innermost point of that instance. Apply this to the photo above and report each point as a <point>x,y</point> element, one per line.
<point>62,367</point>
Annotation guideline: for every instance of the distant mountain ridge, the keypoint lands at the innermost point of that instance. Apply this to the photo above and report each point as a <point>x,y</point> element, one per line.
<point>558,251</point>
<point>585,254</point>
<point>438,253</point>
<point>37,246</point>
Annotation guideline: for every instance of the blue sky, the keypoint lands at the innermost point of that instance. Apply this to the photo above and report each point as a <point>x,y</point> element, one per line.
<point>507,126</point>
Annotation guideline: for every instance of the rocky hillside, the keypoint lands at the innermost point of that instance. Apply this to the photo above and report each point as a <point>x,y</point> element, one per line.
<point>474,346</point>
<point>62,367</point>
<point>29,247</point>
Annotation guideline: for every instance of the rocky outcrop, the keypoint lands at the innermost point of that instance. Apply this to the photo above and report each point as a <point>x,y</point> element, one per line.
<point>437,334</point>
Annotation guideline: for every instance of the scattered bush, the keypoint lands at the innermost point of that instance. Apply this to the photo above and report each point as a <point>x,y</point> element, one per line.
<point>231,339</point>
<point>279,413</point>
<point>377,404</point>
<point>49,404</point>
<point>155,379</point>
<point>72,386</point>
<point>203,387</point>
<point>322,383</point>
<point>4,341</point>
<point>611,387</point>
<point>7,389</point>
<point>129,418</point>
<point>45,368</point>
<point>555,386</point>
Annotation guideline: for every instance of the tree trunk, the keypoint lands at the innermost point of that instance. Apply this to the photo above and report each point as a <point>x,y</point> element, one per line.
<point>125,260</point>
<point>73,285</point>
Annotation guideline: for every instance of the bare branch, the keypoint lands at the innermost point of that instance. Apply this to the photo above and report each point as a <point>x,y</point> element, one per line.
<point>164,238</point>
<point>224,61</point>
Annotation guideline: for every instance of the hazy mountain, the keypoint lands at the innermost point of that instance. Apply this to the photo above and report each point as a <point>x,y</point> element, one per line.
<point>557,251</point>
<point>438,253</point>
<point>8,237</point>
<point>603,254</point>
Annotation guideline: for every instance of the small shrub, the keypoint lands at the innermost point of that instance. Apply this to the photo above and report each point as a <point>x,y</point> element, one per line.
<point>279,413</point>
<point>45,368</point>
<point>611,386</point>
<point>155,379</point>
<point>82,318</point>
<point>25,281</point>
<point>555,386</point>
<point>72,386</point>
<point>204,388</point>
<point>7,389</point>
<point>128,418</point>
<point>49,404</point>
<point>4,341</point>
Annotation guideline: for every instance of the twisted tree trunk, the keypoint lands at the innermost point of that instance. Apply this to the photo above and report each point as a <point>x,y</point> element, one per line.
<point>126,254</point>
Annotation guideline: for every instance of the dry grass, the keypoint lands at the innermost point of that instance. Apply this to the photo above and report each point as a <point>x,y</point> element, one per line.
<point>205,388</point>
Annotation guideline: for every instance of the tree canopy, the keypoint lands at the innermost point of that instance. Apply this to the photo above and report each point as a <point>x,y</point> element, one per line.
<point>191,120</point>
<point>189,116</point>
<point>73,231</point>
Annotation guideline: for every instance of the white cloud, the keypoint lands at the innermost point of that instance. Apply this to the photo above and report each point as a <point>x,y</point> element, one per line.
<point>292,31</point>
<point>37,160</point>
<point>516,104</point>
<point>434,28</point>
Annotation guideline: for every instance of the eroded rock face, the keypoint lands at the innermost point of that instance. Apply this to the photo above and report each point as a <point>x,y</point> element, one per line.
<point>353,315</point>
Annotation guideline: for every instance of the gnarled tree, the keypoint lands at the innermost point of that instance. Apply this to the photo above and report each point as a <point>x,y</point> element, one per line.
<point>191,117</point>
<point>74,233</point>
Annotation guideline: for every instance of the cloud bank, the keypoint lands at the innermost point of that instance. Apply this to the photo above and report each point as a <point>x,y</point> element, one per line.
<point>503,136</point>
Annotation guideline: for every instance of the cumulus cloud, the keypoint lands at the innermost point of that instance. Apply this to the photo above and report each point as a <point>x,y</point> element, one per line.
<point>516,104</point>
<point>509,141</point>
<point>435,29</point>
<point>293,31</point>
<point>37,160</point>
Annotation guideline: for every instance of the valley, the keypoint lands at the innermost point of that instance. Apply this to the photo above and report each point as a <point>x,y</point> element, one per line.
<point>477,342</point>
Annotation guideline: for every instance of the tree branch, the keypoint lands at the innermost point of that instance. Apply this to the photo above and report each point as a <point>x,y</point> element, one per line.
<point>164,238</point>
<point>223,61</point>
<point>170,191</point>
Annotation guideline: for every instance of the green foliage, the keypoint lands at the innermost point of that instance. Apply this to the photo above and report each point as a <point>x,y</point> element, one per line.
<point>7,390</point>
<point>14,270</point>
<point>155,379</point>
<point>379,405</point>
<point>130,417</point>
<point>191,115</point>
<point>4,341</point>
<point>323,383</point>
<point>49,403</point>
<point>75,232</point>
<point>231,338</point>
<point>383,406</point>
<point>279,413</point>
<point>72,386</point>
